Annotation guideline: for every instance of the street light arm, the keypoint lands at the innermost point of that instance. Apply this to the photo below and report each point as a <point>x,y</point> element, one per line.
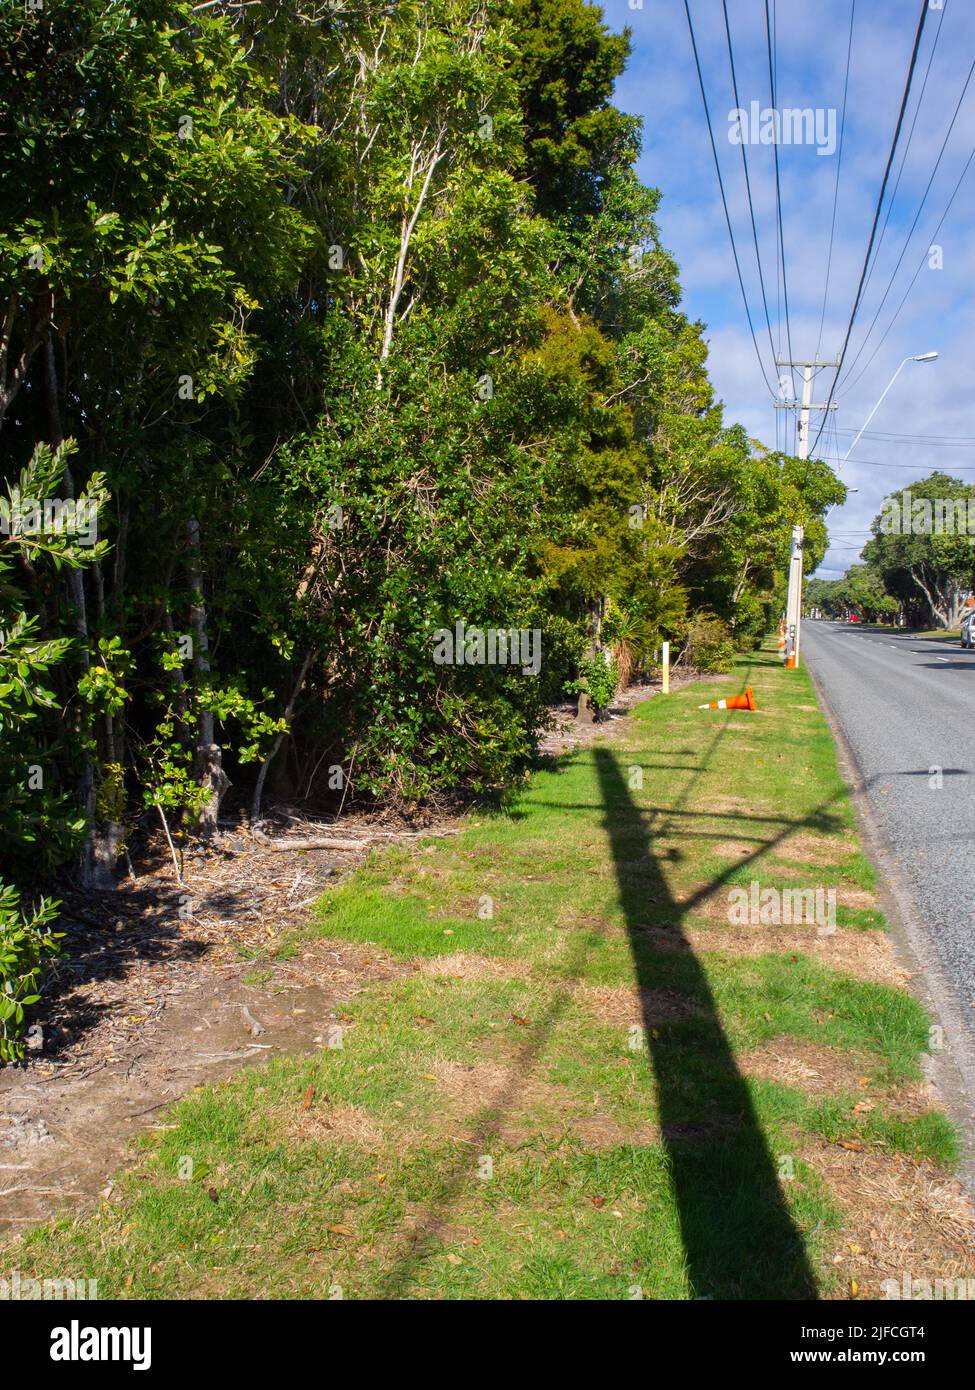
<point>922,357</point>
<point>874,411</point>
<point>913,357</point>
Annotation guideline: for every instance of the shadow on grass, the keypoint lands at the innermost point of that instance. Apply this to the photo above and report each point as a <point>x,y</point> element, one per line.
<point>739,1238</point>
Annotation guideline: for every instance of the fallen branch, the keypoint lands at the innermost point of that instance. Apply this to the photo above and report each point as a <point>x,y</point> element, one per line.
<point>169,841</point>
<point>281,846</point>
<point>208,1057</point>
<point>9,1191</point>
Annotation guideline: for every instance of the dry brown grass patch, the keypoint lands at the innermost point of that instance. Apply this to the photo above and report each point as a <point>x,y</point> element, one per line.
<point>866,955</point>
<point>463,966</point>
<point>625,1005</point>
<point>733,806</point>
<point>713,904</point>
<point>528,1107</point>
<point>855,897</point>
<point>803,1065</point>
<point>823,1070</point>
<point>325,1122</point>
<point>602,1131</point>
<point>902,1215</point>
<point>813,849</point>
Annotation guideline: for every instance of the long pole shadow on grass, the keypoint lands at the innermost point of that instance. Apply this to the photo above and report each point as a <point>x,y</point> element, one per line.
<point>769,1257</point>
<point>739,1238</point>
<point>756,1236</point>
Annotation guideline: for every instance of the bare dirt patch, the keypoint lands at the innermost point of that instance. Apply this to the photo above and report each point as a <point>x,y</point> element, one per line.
<point>162,986</point>
<point>63,1132</point>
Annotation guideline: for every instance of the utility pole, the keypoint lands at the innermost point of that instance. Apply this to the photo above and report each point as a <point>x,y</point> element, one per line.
<point>793,608</point>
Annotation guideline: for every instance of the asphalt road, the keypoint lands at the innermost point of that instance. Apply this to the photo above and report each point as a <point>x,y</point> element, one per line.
<point>907,706</point>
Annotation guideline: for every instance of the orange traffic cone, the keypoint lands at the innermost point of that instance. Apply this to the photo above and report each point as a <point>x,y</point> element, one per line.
<point>746,701</point>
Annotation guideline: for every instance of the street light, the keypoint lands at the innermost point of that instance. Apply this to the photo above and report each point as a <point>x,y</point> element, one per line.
<point>793,612</point>
<point>920,357</point>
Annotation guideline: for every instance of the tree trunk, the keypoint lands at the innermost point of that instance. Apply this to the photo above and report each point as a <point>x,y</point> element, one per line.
<point>585,714</point>
<point>739,589</point>
<point>208,761</point>
<point>92,849</point>
<point>289,714</point>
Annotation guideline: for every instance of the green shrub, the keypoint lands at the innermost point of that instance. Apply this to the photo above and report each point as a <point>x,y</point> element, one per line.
<point>39,827</point>
<point>752,622</point>
<point>26,944</point>
<point>598,677</point>
<point>710,645</point>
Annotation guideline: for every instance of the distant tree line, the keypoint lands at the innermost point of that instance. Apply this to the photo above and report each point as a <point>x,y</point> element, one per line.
<point>919,564</point>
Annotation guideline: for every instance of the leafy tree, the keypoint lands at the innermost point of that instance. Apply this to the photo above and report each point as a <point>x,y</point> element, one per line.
<point>919,550</point>
<point>362,317</point>
<point>566,62</point>
<point>39,825</point>
<point>146,218</point>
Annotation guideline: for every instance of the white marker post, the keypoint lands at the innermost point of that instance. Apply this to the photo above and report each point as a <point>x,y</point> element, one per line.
<point>665,668</point>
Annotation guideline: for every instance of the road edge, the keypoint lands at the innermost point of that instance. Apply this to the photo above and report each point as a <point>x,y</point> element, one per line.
<point>952,1069</point>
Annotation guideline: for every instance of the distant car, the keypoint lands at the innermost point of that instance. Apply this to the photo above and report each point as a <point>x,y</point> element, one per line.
<point>853,617</point>
<point>968,629</point>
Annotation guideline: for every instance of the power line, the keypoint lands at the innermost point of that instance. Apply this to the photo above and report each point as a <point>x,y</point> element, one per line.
<point>748,182</point>
<point>907,147</point>
<point>836,190</point>
<point>724,200</point>
<point>880,201</point>
<point>961,441</point>
<point>917,218</point>
<point>924,255</point>
<point>772,69</point>
<point>882,463</point>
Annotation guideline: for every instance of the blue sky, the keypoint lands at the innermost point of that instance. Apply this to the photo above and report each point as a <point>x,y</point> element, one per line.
<point>660,85</point>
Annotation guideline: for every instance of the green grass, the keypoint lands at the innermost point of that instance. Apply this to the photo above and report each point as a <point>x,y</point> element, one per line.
<point>509,1120</point>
